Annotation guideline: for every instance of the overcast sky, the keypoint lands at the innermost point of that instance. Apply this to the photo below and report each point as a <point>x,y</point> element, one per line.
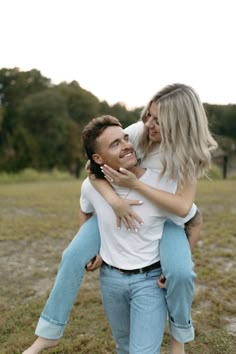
<point>125,50</point>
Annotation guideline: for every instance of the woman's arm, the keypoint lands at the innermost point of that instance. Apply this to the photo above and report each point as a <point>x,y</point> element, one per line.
<point>179,203</point>
<point>121,207</point>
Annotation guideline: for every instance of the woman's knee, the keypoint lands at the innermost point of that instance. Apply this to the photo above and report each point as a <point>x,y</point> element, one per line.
<point>72,259</point>
<point>182,275</point>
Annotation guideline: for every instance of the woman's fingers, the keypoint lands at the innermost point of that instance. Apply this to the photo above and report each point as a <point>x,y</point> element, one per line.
<point>137,218</point>
<point>125,221</point>
<point>109,179</point>
<point>132,222</point>
<point>123,171</point>
<point>132,214</point>
<point>109,172</point>
<point>134,201</point>
<point>118,222</point>
<point>114,176</point>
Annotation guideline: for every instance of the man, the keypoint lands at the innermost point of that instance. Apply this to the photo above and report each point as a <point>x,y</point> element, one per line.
<point>134,303</point>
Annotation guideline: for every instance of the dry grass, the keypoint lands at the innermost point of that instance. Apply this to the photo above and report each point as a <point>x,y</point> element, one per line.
<point>38,220</point>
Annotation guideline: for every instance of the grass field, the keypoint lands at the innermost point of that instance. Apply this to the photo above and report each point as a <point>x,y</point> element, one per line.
<point>38,220</point>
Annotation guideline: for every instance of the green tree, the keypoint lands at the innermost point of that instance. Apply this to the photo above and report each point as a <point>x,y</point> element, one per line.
<point>81,104</point>
<point>222,119</point>
<point>15,86</point>
<point>45,116</point>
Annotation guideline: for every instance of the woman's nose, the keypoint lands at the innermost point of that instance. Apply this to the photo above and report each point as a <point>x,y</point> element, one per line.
<point>149,122</point>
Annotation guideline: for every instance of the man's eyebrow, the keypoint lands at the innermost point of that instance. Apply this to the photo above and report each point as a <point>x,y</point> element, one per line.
<point>113,141</point>
<point>118,139</point>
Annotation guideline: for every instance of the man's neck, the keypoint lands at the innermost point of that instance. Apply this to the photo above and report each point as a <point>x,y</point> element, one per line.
<point>137,170</point>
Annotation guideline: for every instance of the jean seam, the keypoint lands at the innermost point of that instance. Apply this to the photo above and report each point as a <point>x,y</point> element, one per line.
<point>54,322</point>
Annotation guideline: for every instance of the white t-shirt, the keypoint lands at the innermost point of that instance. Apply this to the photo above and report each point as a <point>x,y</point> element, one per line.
<point>119,247</point>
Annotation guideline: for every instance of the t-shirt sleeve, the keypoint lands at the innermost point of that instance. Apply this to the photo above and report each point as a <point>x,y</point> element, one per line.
<point>181,221</point>
<point>135,131</point>
<point>85,202</point>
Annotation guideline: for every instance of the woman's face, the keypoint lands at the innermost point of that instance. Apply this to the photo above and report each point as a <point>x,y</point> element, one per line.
<point>152,124</point>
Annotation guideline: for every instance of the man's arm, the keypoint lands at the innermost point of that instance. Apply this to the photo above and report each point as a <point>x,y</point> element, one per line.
<point>83,217</point>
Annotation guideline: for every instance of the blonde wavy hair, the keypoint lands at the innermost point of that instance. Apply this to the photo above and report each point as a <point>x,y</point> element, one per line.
<point>186,143</point>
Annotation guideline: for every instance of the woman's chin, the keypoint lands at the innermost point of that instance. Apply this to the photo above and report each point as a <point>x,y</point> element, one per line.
<point>155,138</point>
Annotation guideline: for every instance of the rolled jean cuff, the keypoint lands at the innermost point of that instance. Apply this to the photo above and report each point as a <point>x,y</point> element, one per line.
<point>180,333</point>
<point>47,329</point>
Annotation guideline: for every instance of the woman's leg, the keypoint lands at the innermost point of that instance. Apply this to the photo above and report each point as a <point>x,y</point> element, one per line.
<point>53,319</point>
<point>177,266</point>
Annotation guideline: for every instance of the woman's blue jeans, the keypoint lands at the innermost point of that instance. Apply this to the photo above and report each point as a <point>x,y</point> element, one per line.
<point>84,246</point>
<point>176,264</point>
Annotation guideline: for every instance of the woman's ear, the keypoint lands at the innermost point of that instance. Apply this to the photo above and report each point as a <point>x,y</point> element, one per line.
<point>97,158</point>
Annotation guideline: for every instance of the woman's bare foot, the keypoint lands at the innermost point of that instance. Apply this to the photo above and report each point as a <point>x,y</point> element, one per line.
<point>176,347</point>
<point>40,344</point>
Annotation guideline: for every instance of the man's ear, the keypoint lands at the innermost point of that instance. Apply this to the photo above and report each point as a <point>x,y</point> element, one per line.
<point>97,158</point>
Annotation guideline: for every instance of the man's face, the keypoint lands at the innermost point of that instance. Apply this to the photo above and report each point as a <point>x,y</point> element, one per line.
<point>114,149</point>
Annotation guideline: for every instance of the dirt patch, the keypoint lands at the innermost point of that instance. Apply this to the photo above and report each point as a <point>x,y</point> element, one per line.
<point>32,265</point>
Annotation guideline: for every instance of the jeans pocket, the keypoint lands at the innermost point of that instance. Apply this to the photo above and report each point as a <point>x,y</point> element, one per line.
<point>155,273</point>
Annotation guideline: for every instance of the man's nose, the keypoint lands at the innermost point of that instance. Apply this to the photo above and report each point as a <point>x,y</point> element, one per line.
<point>126,144</point>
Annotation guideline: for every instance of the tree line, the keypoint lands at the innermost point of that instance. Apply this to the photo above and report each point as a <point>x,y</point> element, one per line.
<point>41,123</point>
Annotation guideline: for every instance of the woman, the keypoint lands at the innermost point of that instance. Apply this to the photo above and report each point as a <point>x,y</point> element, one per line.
<point>173,137</point>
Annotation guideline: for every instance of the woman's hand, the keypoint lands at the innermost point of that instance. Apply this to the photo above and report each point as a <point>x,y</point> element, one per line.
<point>122,177</point>
<point>122,207</point>
<point>126,215</point>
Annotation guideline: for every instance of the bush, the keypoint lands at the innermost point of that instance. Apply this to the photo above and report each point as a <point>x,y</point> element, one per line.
<point>31,175</point>
<point>215,172</point>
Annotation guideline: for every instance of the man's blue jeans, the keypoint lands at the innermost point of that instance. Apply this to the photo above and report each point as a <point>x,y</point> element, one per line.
<point>136,309</point>
<point>176,265</point>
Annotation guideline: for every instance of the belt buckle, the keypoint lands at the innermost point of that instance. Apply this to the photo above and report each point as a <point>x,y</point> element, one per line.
<point>121,271</point>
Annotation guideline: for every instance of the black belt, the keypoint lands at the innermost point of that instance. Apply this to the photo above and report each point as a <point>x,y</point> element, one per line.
<point>136,271</point>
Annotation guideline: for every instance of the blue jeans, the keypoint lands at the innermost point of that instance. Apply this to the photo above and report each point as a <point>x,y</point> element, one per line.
<point>176,265</point>
<point>136,309</point>
<point>84,246</point>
